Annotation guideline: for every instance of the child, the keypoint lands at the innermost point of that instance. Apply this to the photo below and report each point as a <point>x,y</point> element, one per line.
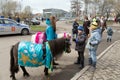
<point>109,34</point>
<point>94,41</point>
<point>80,46</point>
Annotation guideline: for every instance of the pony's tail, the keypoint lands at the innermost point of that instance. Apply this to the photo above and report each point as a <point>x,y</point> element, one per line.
<point>13,67</point>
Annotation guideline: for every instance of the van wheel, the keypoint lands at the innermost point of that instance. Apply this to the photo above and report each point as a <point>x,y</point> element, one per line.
<point>25,32</point>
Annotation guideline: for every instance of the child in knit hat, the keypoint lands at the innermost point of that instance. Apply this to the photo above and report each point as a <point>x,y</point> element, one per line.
<point>80,46</point>
<point>94,40</point>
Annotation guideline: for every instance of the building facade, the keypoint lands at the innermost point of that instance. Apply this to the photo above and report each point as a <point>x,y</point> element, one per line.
<point>55,12</point>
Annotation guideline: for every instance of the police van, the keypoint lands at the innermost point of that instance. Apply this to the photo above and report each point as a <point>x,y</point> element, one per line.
<point>9,26</point>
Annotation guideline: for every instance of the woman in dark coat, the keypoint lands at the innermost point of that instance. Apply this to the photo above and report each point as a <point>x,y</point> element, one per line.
<point>74,29</point>
<point>86,25</point>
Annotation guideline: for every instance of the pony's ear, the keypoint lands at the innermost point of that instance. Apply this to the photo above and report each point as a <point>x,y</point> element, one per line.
<point>69,36</point>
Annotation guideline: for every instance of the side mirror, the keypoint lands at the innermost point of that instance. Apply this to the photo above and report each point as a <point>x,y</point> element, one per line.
<point>18,24</point>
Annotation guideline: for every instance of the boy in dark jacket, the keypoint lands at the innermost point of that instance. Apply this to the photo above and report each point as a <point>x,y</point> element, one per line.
<point>109,34</point>
<point>80,46</point>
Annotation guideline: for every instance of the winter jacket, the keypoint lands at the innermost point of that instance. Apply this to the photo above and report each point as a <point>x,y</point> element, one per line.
<point>80,43</point>
<point>109,31</point>
<point>75,26</point>
<point>86,25</point>
<point>50,33</point>
<point>94,39</point>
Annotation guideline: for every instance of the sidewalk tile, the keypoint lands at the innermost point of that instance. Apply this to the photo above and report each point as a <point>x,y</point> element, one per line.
<point>108,66</point>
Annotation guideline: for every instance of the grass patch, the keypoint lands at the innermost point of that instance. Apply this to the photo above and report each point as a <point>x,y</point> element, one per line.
<point>37,28</point>
<point>81,22</point>
<point>110,22</point>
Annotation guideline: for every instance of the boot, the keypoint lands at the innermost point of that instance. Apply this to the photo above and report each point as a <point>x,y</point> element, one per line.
<point>54,63</point>
<point>81,65</point>
<point>93,66</point>
<point>107,39</point>
<point>90,61</point>
<point>110,40</point>
<point>78,61</point>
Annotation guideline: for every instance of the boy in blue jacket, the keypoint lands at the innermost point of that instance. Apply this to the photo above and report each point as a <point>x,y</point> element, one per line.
<point>109,34</point>
<point>80,46</point>
<point>94,40</point>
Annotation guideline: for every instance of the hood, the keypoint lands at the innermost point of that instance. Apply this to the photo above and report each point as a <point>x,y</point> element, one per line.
<point>109,28</point>
<point>48,22</point>
<point>23,25</point>
<point>97,30</point>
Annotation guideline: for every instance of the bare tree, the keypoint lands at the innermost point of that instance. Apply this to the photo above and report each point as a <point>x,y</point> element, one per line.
<point>27,12</point>
<point>117,7</point>
<point>86,5</point>
<point>75,7</point>
<point>9,8</point>
<point>101,7</point>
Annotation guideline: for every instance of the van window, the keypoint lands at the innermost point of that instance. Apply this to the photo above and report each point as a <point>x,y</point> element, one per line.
<point>9,22</point>
<point>1,21</point>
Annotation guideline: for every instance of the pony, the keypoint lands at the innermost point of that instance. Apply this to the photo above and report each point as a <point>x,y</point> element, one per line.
<point>56,47</point>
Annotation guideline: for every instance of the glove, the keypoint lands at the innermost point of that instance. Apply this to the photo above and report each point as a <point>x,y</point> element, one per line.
<point>90,43</point>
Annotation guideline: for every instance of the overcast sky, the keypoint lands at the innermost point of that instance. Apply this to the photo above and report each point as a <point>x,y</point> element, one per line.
<point>38,5</point>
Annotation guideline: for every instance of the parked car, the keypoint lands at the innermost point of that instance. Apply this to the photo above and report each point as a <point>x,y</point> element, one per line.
<point>118,19</point>
<point>9,26</point>
<point>35,22</point>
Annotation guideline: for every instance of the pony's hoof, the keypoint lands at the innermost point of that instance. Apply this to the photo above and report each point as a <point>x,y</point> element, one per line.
<point>13,79</point>
<point>54,67</point>
<point>46,74</point>
<point>26,75</point>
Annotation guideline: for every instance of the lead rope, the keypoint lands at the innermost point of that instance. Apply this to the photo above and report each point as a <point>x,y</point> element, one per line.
<point>65,48</point>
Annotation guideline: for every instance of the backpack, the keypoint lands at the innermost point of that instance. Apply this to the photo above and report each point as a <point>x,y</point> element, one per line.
<point>39,38</point>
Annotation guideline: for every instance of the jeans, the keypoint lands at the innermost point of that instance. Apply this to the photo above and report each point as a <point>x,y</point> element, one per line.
<point>81,58</point>
<point>93,57</point>
<point>109,37</point>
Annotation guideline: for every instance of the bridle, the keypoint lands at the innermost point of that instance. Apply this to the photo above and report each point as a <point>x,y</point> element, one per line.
<point>67,42</point>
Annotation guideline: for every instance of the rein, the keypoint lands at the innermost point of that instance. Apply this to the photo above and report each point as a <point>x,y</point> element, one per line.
<point>65,48</point>
<point>44,50</point>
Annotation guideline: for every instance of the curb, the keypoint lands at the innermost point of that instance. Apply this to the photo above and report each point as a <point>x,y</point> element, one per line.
<point>79,74</point>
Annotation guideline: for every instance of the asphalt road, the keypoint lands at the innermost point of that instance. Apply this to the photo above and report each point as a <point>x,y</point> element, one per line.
<point>65,71</point>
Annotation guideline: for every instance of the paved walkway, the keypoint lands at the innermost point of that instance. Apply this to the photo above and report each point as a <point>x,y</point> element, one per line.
<point>108,66</point>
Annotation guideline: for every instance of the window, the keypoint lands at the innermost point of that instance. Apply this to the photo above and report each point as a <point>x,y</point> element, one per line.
<point>8,22</point>
<point>1,21</point>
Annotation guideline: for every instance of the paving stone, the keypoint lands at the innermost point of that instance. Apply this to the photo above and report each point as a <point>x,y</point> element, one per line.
<point>108,67</point>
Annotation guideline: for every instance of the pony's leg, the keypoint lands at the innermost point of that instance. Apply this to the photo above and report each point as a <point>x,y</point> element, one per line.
<point>13,75</point>
<point>12,64</point>
<point>25,73</point>
<point>12,70</point>
<point>46,71</point>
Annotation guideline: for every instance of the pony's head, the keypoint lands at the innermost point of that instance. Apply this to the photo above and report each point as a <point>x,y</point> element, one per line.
<point>64,35</point>
<point>60,45</point>
<point>67,45</point>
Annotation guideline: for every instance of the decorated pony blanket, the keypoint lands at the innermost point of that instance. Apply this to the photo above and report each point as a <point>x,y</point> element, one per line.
<point>31,55</point>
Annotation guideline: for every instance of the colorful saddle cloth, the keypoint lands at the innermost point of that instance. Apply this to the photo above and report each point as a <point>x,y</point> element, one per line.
<point>31,55</point>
